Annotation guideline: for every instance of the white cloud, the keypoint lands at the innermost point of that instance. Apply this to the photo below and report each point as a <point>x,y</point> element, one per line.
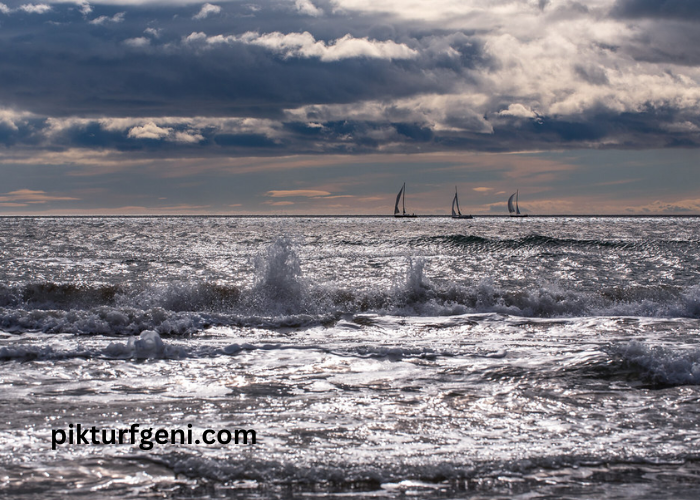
<point>116,18</point>
<point>195,37</point>
<point>10,118</point>
<point>207,10</point>
<point>84,7</point>
<point>41,8</point>
<point>440,113</point>
<point>4,9</point>
<point>519,111</point>
<point>165,126</point>
<point>137,42</point>
<point>186,137</point>
<point>305,45</point>
<point>149,131</point>
<point>308,8</point>
<point>154,32</point>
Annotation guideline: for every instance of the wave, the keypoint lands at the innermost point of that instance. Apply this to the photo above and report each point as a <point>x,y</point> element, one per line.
<point>662,366</point>
<point>545,242</point>
<point>546,475</point>
<point>281,296</point>
<point>150,345</point>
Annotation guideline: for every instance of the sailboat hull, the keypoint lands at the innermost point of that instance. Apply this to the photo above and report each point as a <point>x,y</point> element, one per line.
<point>462,217</point>
<point>518,215</point>
<point>405,216</point>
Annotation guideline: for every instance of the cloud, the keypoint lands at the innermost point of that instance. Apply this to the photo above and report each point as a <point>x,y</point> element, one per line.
<point>518,110</point>
<point>35,8</point>
<point>4,9</point>
<point>116,18</point>
<point>187,137</point>
<point>153,32</point>
<point>482,189</point>
<point>679,9</point>
<point>138,42</point>
<point>23,197</point>
<point>149,131</point>
<point>429,112</point>
<point>308,8</point>
<point>84,7</point>
<point>206,11</point>
<point>308,193</point>
<point>367,76</point>
<point>304,45</point>
<point>662,207</point>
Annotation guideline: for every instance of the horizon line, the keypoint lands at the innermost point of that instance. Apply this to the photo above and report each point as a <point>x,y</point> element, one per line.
<point>330,216</point>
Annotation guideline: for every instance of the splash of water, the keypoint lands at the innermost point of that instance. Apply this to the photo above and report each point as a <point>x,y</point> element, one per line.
<point>279,287</point>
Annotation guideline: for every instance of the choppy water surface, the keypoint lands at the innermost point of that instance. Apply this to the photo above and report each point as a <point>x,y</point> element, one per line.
<point>373,357</point>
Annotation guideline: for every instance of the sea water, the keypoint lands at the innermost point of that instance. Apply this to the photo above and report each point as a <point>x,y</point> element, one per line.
<point>373,357</point>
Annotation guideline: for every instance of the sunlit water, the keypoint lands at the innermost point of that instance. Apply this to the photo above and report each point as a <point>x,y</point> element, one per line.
<point>493,357</point>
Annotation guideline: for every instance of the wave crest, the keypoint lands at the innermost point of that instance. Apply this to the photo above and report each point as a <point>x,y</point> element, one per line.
<point>663,366</point>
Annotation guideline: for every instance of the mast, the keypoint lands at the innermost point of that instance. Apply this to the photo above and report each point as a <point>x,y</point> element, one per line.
<point>459,212</point>
<point>517,208</point>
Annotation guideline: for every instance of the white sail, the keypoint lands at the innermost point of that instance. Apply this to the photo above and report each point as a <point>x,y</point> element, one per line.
<point>398,198</point>
<point>517,208</point>
<point>511,207</point>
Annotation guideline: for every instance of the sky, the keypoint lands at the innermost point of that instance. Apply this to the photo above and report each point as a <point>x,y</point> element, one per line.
<point>329,106</point>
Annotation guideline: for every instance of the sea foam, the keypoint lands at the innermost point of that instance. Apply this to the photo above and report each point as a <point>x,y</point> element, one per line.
<point>662,365</point>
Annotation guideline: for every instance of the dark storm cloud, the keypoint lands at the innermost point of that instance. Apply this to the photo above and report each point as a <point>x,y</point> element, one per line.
<point>119,69</point>
<point>676,9</point>
<point>670,42</point>
<point>286,77</point>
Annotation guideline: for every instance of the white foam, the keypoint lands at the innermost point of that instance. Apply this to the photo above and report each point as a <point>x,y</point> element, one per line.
<point>148,345</point>
<point>664,365</point>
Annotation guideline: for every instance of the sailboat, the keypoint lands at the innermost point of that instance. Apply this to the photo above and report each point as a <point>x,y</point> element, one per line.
<point>513,207</point>
<point>402,197</point>
<point>458,213</point>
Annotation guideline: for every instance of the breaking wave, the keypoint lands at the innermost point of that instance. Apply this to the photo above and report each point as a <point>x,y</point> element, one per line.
<point>280,296</point>
<point>663,366</point>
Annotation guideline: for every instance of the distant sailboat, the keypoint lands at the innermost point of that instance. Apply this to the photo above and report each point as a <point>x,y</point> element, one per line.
<point>458,213</point>
<point>513,207</point>
<point>401,197</point>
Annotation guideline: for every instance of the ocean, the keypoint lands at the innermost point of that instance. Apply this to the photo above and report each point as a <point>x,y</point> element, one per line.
<point>353,357</point>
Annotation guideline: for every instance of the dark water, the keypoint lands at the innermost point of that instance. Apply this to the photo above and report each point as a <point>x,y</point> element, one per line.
<point>541,358</point>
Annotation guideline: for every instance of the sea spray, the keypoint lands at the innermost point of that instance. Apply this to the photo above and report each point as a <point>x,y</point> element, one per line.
<point>279,287</point>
